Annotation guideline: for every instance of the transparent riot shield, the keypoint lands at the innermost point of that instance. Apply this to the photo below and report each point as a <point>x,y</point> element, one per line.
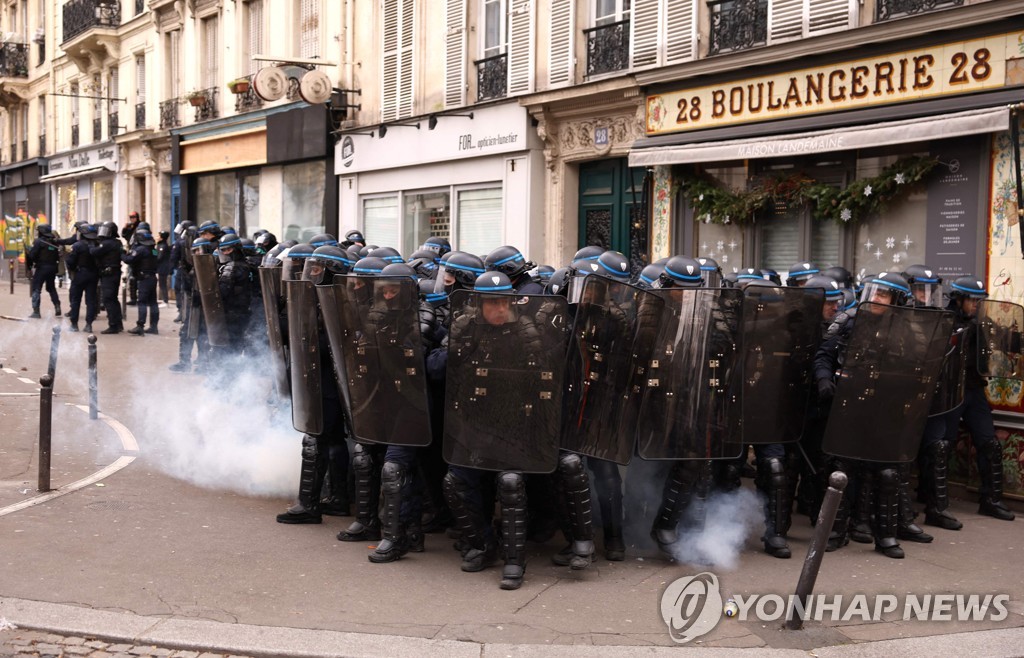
<point>604,351</point>
<point>304,355</point>
<point>690,407</point>
<point>999,339</point>
<point>503,390</point>
<point>193,313</point>
<point>889,372</point>
<point>209,293</point>
<point>373,327</point>
<point>270,287</point>
<point>949,391</point>
<point>780,333</point>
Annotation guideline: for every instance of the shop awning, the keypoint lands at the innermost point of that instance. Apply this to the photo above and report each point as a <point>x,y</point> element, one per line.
<point>49,178</point>
<point>943,126</point>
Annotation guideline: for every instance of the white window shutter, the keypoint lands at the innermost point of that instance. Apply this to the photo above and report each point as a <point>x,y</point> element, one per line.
<point>520,47</point>
<point>309,28</point>
<point>389,72</point>
<point>561,65</point>
<point>455,55</point>
<point>785,20</point>
<point>140,79</point>
<point>405,85</point>
<point>681,30</point>
<point>255,10</point>
<point>115,89</point>
<point>645,27</point>
<point>826,16</point>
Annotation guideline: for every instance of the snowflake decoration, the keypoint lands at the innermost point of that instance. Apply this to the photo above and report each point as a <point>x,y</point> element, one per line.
<point>725,258</point>
<point>846,215</point>
<point>732,245</point>
<point>707,220</point>
<point>878,254</point>
<point>700,198</point>
<point>869,244</point>
<point>896,258</point>
<point>703,247</point>
<point>890,243</point>
<point>720,245</point>
<point>900,179</point>
<point>867,190</point>
<point>906,242</point>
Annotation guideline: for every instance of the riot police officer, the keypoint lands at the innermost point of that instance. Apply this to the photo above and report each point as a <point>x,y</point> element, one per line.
<point>107,254</point>
<point>84,278</point>
<point>510,261</point>
<point>799,273</point>
<point>42,260</point>
<point>235,281</point>
<point>143,260</point>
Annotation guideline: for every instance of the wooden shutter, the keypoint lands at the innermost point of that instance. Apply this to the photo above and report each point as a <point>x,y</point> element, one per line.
<point>681,30</point>
<point>254,9</point>
<point>309,28</point>
<point>405,83</point>
<point>520,47</point>
<point>561,62</point>
<point>785,20</point>
<point>824,16</point>
<point>392,54</point>
<point>140,79</point>
<point>646,31</point>
<point>455,54</point>
<point>174,66</point>
<point>212,56</point>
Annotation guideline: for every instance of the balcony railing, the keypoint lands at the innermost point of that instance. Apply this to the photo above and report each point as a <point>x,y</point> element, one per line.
<point>888,9</point>
<point>42,145</point>
<point>169,114</point>
<point>248,100</point>
<point>14,60</point>
<point>140,115</point>
<point>491,77</point>
<point>738,25</point>
<point>607,48</point>
<point>113,123</point>
<point>140,6</point>
<point>206,107</point>
<point>82,15</point>
<point>74,135</point>
<point>97,129</point>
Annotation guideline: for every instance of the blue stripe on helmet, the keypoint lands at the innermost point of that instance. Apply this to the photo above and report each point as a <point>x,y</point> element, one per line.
<point>708,268</point>
<point>919,279</point>
<point>802,272</point>
<point>465,268</point>
<point>299,254</point>
<point>684,277</point>
<point>367,270</point>
<point>229,242</point>
<point>832,293</point>
<point>334,258</point>
<point>753,277</point>
<point>514,257</point>
<point>492,288</point>
<point>891,284</point>
<point>613,272</point>
<point>394,259</point>
<point>436,296</point>
<point>325,243</point>
<point>646,279</point>
<point>975,291</point>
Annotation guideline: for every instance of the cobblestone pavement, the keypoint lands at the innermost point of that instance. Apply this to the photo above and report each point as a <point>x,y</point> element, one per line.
<point>21,643</point>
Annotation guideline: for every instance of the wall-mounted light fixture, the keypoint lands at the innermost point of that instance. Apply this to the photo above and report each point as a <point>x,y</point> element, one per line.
<point>383,130</point>
<point>432,121</point>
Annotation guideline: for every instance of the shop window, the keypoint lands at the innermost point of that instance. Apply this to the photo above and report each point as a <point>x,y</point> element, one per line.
<point>216,199</point>
<point>426,214</point>
<point>722,242</point>
<point>103,200</point>
<point>303,200</point>
<point>380,220</point>
<point>67,194</point>
<point>479,228</point>
<point>894,239</point>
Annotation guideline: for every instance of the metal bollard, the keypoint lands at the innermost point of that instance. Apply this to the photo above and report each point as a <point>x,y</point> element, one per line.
<point>54,349</point>
<point>10,270</point>
<point>93,380</point>
<point>45,427</point>
<point>124,298</point>
<point>816,551</point>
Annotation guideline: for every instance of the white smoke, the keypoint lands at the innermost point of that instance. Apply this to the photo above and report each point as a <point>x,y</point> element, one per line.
<point>732,517</point>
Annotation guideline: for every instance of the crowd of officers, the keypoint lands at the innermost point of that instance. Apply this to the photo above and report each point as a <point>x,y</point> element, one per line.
<point>400,492</point>
<point>92,259</point>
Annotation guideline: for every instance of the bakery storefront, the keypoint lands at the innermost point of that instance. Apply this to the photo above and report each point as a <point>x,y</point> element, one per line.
<point>873,159</point>
<point>83,187</point>
<point>476,179</point>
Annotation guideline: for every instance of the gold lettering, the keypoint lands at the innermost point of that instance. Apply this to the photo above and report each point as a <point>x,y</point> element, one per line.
<point>717,104</point>
<point>774,102</point>
<point>836,93</point>
<point>883,72</point>
<point>903,75</point>
<point>857,87</point>
<point>736,101</point>
<point>793,94</point>
<point>750,97</point>
<point>922,79</point>
<point>814,85</point>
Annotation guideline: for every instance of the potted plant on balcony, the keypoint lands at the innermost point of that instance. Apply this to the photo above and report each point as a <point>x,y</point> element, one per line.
<point>196,98</point>
<point>239,86</point>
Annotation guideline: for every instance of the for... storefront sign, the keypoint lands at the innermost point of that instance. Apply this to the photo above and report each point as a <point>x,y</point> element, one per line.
<point>943,70</point>
<point>103,156</point>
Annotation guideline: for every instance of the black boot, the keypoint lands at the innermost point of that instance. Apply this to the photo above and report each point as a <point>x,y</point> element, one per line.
<point>774,482</point>
<point>607,485</point>
<point>307,508</point>
<point>512,493</point>
<point>991,503</point>
<point>393,543</point>
<point>478,550</point>
<point>366,527</point>
<point>35,313</point>
<point>56,310</point>
<point>887,511</point>
<point>933,466</point>
<point>860,515</point>
<point>679,492</point>
<point>73,327</point>
<point>907,528</point>
<point>87,328</point>
<point>139,330</point>
<point>572,497</point>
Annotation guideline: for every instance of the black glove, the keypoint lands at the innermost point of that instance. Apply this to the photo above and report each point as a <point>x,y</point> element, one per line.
<point>826,389</point>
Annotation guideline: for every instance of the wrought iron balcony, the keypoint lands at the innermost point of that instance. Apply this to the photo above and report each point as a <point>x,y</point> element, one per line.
<point>140,115</point>
<point>247,100</point>
<point>206,104</point>
<point>140,6</point>
<point>83,15</point>
<point>74,135</point>
<point>492,77</point>
<point>607,48</point>
<point>42,145</point>
<point>113,123</point>
<point>169,114</point>
<point>14,60</point>
<point>889,9</point>
<point>738,25</point>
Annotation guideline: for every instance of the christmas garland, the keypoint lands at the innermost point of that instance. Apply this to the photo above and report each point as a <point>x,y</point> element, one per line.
<point>857,201</point>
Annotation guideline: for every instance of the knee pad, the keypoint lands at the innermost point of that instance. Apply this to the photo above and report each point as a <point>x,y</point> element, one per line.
<point>362,460</point>
<point>309,446</point>
<point>512,487</point>
<point>391,476</point>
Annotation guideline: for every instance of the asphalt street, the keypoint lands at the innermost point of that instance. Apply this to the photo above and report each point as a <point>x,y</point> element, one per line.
<point>159,537</point>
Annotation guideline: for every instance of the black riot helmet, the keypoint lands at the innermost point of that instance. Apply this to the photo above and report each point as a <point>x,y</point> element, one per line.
<point>354,237</point>
<point>712,272</point>
<point>458,270</point>
<point>390,254</point>
<point>202,246</point>
<point>107,230</point>
<point>44,230</point>
<point>88,231</point>
<point>749,273</point>
<point>492,282</point>
<point>590,252</point>
<point>543,274</point>
<point>925,286</point>
<point>428,295</point>
<point>230,248</point>
<point>273,257</point>
<point>833,294</point>
<point>184,227</point>
<point>293,260</point>
<point>370,266</point>
<point>144,237</point>
<point>265,241</point>
<point>422,260</point>
<point>353,252</point>
<point>758,283</point>
<point>249,249</point>
<point>440,246</point>
<point>614,265</point>
<point>399,269</point>
<point>886,288</point>
<point>840,274</point>
<point>967,287</point>
<point>210,226</point>
<point>365,250</point>
<point>649,276</point>
<point>730,279</point>
<point>558,282</point>
<point>324,263</point>
<point>799,273</point>
<point>772,275</point>
<point>323,240</point>
<point>508,260</point>
<point>144,226</point>
<point>681,272</point>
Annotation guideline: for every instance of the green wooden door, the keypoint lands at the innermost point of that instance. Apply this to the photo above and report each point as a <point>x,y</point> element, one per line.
<point>612,209</point>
